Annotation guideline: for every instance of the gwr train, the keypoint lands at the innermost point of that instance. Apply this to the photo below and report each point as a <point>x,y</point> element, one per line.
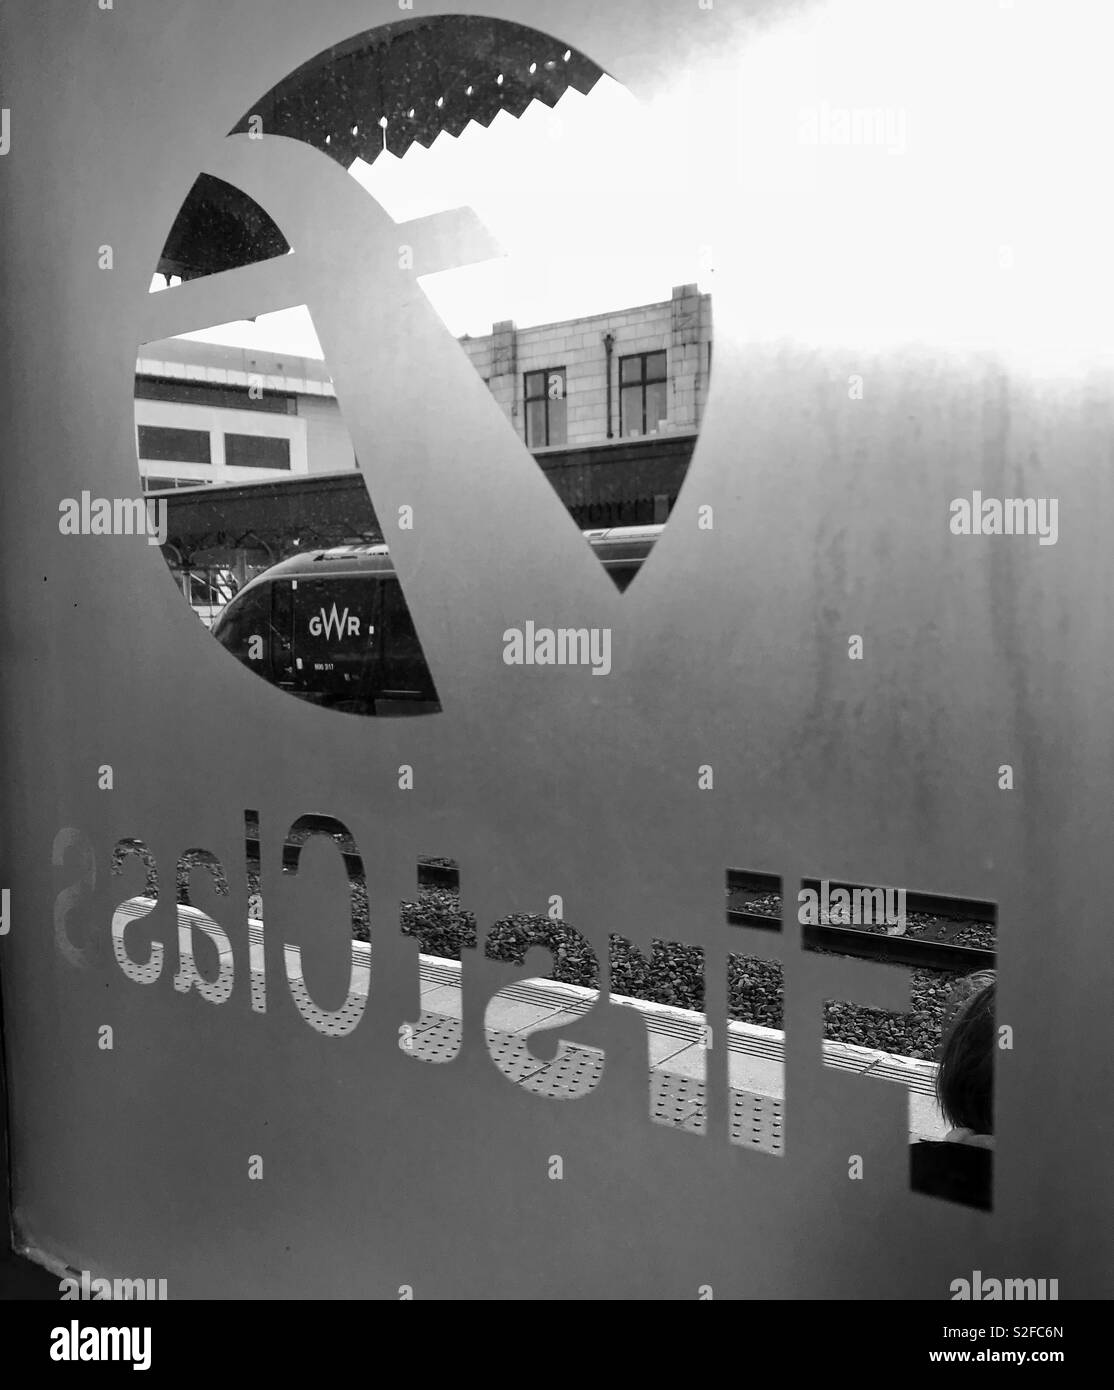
<point>332,626</point>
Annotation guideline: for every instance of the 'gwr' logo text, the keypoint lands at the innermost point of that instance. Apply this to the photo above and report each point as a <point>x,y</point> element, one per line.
<point>336,624</point>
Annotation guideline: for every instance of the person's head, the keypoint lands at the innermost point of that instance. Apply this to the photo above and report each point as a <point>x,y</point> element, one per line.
<point>965,1080</point>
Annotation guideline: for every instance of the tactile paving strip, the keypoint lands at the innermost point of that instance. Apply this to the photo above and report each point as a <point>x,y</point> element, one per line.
<point>756,1121</point>
<point>678,1101</point>
<point>535,994</point>
<point>755,1045</point>
<point>549,993</point>
<point>143,974</point>
<point>435,1038</point>
<point>514,1058</point>
<point>916,1075</point>
<point>333,1025</point>
<point>573,1073</point>
<point>436,971</point>
<point>883,1068</point>
<point>660,1022</point>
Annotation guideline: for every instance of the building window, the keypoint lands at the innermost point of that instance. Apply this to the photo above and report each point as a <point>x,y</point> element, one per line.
<point>642,393</point>
<point>546,408</point>
<point>256,451</point>
<point>152,388</point>
<point>152,484</point>
<point>174,446</point>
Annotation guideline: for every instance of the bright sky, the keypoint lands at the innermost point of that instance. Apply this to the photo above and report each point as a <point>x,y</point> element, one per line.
<point>565,191</point>
<point>983,219</point>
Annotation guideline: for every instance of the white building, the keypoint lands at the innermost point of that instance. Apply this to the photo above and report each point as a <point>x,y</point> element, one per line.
<point>205,413</point>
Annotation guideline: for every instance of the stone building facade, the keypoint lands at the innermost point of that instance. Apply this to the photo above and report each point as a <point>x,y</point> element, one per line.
<point>553,380</point>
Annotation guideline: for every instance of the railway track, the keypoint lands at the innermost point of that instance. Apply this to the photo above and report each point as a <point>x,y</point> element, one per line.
<point>754,901</point>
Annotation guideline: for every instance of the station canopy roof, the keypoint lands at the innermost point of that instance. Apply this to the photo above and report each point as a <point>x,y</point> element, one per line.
<point>385,89</point>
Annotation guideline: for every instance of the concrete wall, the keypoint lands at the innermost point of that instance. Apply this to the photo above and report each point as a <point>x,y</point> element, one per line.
<point>328,443</point>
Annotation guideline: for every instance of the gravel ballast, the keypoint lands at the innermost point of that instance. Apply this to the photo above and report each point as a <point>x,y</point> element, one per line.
<point>670,972</point>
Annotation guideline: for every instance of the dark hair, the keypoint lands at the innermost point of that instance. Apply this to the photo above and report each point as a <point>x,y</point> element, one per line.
<point>965,1080</point>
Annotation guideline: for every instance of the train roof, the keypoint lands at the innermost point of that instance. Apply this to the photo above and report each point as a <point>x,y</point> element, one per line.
<point>336,559</point>
<point>376,559</point>
<point>624,534</point>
